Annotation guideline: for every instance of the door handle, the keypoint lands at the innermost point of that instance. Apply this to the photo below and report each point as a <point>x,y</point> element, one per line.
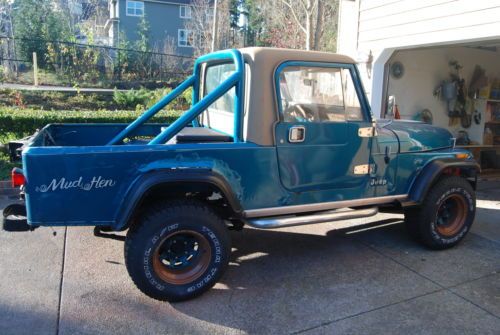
<point>297,134</point>
<point>387,156</point>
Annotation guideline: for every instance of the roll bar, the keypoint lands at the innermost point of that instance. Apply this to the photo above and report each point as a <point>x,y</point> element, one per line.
<point>198,106</point>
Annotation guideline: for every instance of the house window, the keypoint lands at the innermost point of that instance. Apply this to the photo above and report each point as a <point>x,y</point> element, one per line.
<point>209,14</point>
<point>185,38</point>
<point>135,8</point>
<point>185,12</point>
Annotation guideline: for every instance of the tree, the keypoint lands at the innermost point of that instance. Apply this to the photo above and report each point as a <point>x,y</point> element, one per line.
<point>35,23</point>
<point>5,18</point>
<point>143,32</point>
<point>246,22</point>
<point>143,58</point>
<point>298,24</point>
<point>93,17</point>
<point>310,16</point>
<point>7,44</point>
<point>255,23</point>
<point>201,23</point>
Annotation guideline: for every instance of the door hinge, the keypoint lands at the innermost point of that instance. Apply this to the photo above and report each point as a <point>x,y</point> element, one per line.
<point>364,169</point>
<point>367,132</point>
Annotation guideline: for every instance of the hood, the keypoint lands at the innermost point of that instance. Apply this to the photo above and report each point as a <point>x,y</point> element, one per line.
<point>418,136</point>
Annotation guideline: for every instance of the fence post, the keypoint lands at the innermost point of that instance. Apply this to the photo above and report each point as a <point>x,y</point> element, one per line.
<point>161,66</point>
<point>35,69</point>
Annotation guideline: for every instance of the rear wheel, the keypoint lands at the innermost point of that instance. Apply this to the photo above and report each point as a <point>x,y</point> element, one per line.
<point>445,216</point>
<point>177,251</point>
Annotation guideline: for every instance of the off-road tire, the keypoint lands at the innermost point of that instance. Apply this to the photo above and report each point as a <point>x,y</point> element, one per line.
<point>148,255</point>
<point>427,223</point>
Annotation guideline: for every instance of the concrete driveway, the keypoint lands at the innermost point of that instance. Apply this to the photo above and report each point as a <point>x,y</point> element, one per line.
<point>310,279</point>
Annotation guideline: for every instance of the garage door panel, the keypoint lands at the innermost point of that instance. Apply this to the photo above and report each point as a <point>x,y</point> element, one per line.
<point>448,24</point>
<point>426,14</point>
<point>399,7</point>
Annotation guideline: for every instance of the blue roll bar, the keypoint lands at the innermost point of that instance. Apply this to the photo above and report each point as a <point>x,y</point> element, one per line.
<point>198,106</point>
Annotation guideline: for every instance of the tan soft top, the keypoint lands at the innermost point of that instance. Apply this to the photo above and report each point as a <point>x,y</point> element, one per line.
<point>260,103</point>
<point>276,56</point>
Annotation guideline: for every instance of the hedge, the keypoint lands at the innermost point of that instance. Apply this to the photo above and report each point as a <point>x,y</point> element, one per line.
<point>21,122</point>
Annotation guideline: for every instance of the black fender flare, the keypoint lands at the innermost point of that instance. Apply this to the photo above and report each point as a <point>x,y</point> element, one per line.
<point>152,179</point>
<point>433,170</point>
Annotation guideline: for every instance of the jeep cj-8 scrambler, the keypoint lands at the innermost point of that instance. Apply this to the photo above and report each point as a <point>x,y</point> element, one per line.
<point>274,138</point>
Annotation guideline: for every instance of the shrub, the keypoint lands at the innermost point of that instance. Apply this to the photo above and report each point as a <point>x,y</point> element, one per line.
<point>157,95</point>
<point>6,166</point>
<point>143,98</point>
<point>131,98</point>
<point>182,102</point>
<point>22,122</point>
<point>2,74</point>
<point>57,100</point>
<point>187,95</point>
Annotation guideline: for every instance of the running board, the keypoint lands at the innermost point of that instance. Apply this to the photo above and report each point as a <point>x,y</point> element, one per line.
<point>319,217</point>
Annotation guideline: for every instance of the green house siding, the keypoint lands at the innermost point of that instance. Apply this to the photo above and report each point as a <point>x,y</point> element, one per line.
<point>164,21</point>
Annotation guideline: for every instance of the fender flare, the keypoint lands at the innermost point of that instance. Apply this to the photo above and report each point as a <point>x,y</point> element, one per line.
<point>152,179</point>
<point>433,170</point>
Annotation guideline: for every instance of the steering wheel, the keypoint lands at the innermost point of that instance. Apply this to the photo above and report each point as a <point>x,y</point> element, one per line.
<point>299,113</point>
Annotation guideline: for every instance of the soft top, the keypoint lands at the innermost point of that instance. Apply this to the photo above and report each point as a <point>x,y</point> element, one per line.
<point>276,56</point>
<point>260,103</point>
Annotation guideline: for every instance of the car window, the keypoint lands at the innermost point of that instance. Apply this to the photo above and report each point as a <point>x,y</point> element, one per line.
<point>318,94</point>
<point>220,115</point>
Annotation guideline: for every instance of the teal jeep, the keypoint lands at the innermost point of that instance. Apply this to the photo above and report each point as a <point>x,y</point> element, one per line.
<point>274,138</point>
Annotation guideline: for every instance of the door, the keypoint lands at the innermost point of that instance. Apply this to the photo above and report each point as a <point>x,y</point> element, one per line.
<point>324,135</point>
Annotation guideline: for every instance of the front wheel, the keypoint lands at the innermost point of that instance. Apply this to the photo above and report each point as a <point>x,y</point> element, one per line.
<point>445,216</point>
<point>177,251</point>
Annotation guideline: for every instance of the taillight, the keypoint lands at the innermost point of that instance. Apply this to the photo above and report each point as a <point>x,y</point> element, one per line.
<point>17,177</point>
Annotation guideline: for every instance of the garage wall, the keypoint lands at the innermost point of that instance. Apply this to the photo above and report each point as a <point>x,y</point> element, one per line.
<point>425,69</point>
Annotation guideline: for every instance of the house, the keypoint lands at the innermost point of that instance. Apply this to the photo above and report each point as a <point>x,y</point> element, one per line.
<point>407,49</point>
<point>166,19</point>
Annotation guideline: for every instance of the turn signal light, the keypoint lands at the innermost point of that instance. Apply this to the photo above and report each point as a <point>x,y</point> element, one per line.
<point>17,177</point>
<point>462,155</point>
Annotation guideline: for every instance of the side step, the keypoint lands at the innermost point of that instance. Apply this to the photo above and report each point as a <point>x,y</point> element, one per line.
<point>318,217</point>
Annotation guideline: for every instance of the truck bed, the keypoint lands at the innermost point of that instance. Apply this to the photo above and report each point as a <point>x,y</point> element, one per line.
<point>77,135</point>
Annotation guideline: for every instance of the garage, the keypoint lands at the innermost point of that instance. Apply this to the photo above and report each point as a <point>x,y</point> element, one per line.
<point>456,87</point>
<point>436,60</point>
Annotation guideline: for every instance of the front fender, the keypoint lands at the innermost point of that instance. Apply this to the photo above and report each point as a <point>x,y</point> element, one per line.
<point>433,171</point>
<point>151,179</point>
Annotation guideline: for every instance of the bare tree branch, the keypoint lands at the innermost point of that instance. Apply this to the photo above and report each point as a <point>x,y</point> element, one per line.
<point>292,10</point>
